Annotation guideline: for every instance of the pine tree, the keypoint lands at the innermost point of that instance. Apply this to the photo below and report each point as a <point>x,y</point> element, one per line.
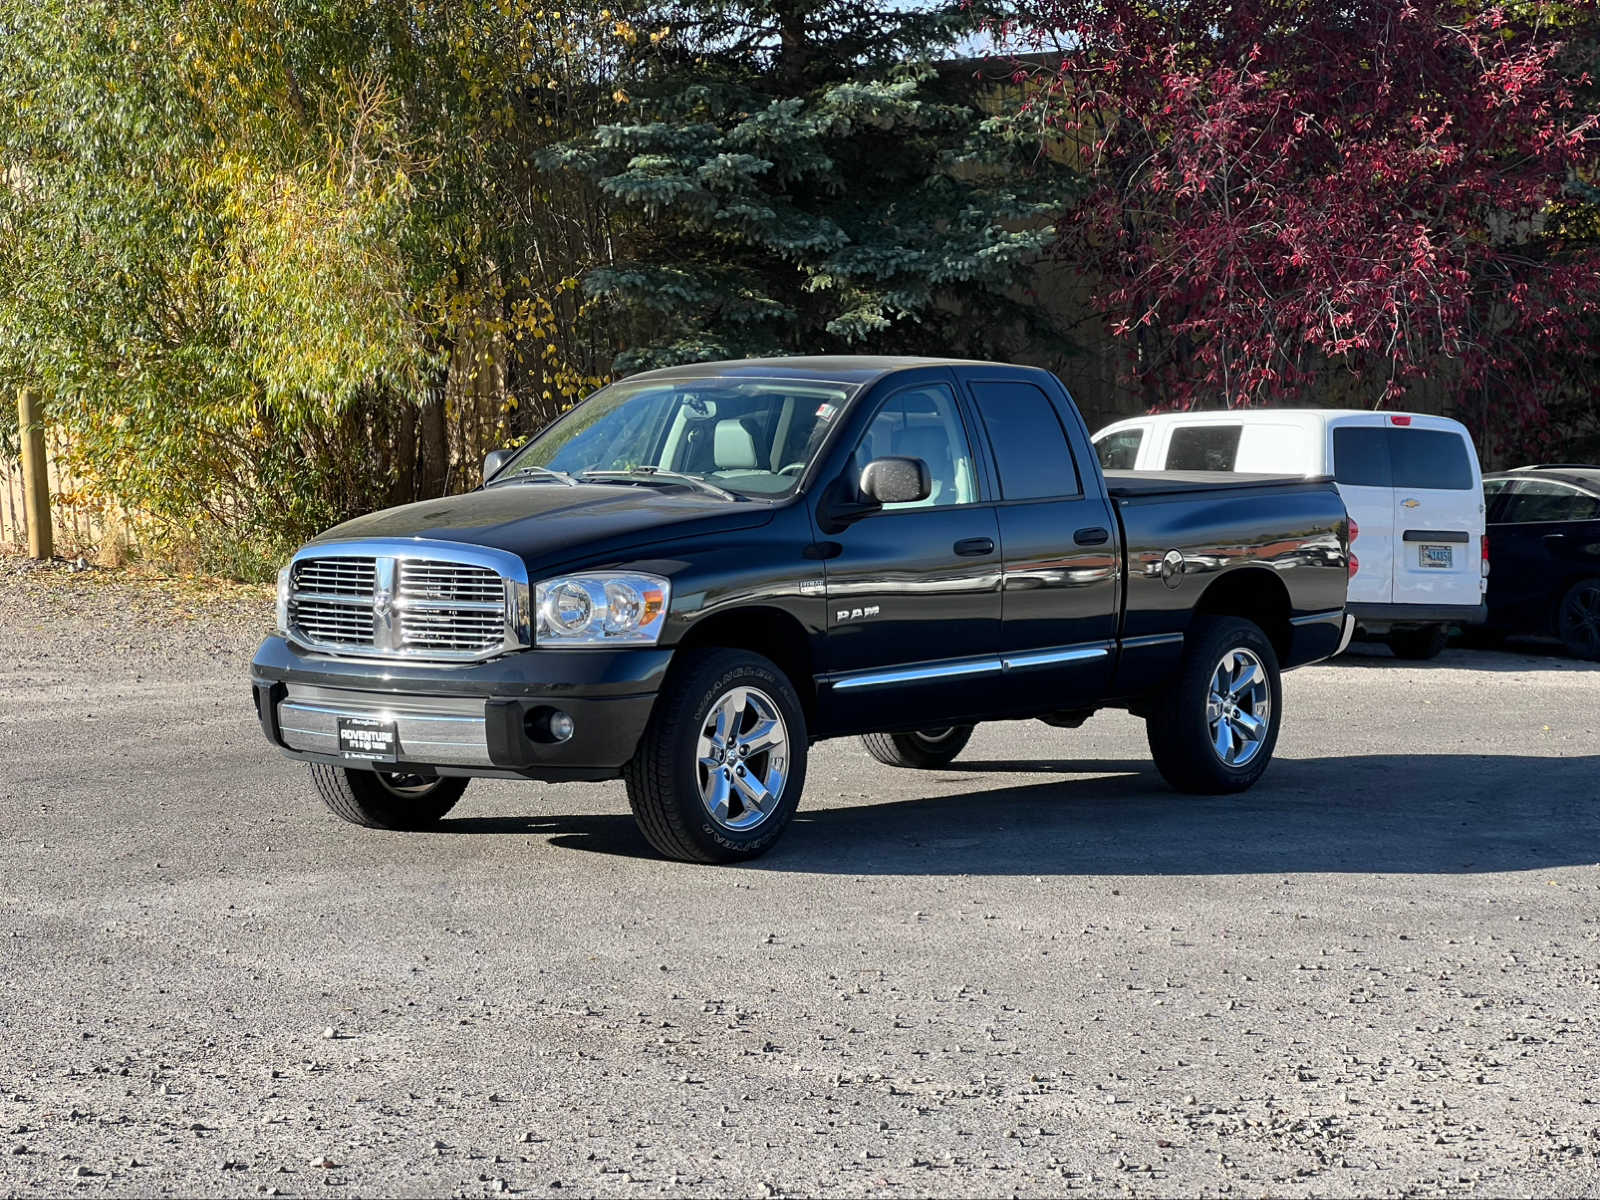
<point>799,177</point>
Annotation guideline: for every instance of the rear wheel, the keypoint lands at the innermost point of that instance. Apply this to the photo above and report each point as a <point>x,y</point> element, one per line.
<point>1578,619</point>
<point>719,770</point>
<point>386,799</point>
<point>1418,644</point>
<point>1213,731</point>
<point>925,748</point>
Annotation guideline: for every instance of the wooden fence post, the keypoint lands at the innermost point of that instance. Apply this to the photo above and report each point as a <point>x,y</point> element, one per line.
<point>35,475</point>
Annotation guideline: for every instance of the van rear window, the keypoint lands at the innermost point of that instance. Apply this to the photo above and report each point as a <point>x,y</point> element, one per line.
<point>1203,448</point>
<point>1380,456</point>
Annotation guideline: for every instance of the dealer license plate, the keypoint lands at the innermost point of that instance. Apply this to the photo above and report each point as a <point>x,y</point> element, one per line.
<point>1438,556</point>
<point>366,739</point>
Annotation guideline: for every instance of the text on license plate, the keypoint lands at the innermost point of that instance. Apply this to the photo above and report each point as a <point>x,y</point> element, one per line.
<point>1438,556</point>
<point>366,739</point>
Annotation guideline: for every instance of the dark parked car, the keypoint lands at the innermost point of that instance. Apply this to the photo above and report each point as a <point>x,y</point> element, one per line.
<point>698,572</point>
<point>1544,548</point>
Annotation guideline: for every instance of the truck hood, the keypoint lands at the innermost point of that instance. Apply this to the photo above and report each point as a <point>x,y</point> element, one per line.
<point>551,523</point>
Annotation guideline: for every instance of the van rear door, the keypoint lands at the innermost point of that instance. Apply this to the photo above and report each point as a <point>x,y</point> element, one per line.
<point>1438,514</point>
<point>1361,469</point>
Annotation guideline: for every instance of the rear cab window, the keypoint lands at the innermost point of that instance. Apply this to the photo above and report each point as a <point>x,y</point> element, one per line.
<point>1030,447</point>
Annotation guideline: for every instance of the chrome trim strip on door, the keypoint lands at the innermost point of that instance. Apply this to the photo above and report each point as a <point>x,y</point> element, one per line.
<point>1045,658</point>
<point>1151,639</point>
<point>974,666</point>
<point>952,670</point>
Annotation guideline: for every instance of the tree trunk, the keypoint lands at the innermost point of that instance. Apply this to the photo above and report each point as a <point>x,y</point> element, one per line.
<point>403,480</point>
<point>435,446</point>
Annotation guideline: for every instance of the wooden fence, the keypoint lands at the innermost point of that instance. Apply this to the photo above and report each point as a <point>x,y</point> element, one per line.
<point>86,524</point>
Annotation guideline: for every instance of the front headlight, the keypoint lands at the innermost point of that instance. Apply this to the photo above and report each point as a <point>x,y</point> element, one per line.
<point>283,602</point>
<point>601,608</point>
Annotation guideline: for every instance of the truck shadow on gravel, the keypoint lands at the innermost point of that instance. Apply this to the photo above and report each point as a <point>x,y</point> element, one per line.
<point>1414,814</point>
<point>1516,656</point>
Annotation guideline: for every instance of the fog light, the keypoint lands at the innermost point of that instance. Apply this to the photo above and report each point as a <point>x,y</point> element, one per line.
<point>561,725</point>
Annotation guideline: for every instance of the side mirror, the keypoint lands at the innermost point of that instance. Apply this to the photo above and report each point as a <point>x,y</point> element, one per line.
<point>896,480</point>
<point>493,461</point>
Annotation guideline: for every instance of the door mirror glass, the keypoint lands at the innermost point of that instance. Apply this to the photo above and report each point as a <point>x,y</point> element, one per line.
<point>493,461</point>
<point>896,480</point>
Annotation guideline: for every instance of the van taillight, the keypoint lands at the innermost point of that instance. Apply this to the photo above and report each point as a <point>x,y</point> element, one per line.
<point>1483,540</point>
<point>1400,420</point>
<point>1355,563</point>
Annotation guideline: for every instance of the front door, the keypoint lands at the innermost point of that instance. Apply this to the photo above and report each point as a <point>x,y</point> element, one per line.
<point>914,589</point>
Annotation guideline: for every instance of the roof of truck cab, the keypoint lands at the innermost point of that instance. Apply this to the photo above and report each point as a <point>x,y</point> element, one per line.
<point>845,368</point>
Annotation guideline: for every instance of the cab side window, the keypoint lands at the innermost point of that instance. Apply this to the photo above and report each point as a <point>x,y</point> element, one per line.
<point>1119,451</point>
<point>1534,500</point>
<point>1203,447</point>
<point>922,422</point>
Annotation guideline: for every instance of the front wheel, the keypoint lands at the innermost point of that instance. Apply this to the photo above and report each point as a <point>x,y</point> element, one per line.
<point>927,748</point>
<point>386,799</point>
<point>1578,619</point>
<point>719,770</point>
<point>1214,730</point>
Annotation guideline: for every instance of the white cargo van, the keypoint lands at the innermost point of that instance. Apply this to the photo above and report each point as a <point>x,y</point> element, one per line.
<point>1411,483</point>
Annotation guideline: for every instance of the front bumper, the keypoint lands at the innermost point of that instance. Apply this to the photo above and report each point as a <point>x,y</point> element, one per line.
<point>465,718</point>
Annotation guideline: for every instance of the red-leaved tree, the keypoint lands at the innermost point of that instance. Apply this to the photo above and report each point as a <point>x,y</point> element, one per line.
<point>1296,197</point>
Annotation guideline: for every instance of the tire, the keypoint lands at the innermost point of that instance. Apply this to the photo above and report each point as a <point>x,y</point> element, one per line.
<point>1419,644</point>
<point>1183,739</point>
<point>1578,619</point>
<point>671,779</point>
<point>924,749</point>
<point>381,800</point>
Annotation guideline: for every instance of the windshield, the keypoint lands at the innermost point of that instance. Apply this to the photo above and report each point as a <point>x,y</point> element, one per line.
<point>750,436</point>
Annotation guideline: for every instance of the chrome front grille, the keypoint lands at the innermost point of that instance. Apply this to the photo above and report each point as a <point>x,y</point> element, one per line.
<point>408,601</point>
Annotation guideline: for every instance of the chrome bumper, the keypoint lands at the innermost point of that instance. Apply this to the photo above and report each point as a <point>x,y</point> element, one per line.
<point>438,730</point>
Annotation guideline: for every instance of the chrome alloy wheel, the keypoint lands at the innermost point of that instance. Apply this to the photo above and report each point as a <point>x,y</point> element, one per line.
<point>742,759</point>
<point>1239,707</point>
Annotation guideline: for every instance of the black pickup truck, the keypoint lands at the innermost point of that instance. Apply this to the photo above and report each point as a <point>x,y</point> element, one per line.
<point>698,572</point>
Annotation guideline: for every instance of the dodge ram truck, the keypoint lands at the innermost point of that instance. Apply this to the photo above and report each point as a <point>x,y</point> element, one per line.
<point>697,573</point>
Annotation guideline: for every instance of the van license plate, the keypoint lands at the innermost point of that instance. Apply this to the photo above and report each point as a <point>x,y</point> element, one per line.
<point>1438,556</point>
<point>366,739</point>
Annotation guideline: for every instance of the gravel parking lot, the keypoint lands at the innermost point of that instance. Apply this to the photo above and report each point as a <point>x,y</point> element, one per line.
<point>1035,972</point>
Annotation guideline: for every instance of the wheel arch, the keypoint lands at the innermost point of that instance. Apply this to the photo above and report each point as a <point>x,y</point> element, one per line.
<point>1256,594</point>
<point>768,631</point>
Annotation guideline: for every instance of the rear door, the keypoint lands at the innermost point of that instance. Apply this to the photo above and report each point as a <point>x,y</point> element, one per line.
<point>1058,535</point>
<point>1365,478</point>
<point>1438,513</point>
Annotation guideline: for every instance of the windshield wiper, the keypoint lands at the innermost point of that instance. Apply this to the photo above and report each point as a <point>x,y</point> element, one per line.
<point>538,473</point>
<point>646,474</point>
